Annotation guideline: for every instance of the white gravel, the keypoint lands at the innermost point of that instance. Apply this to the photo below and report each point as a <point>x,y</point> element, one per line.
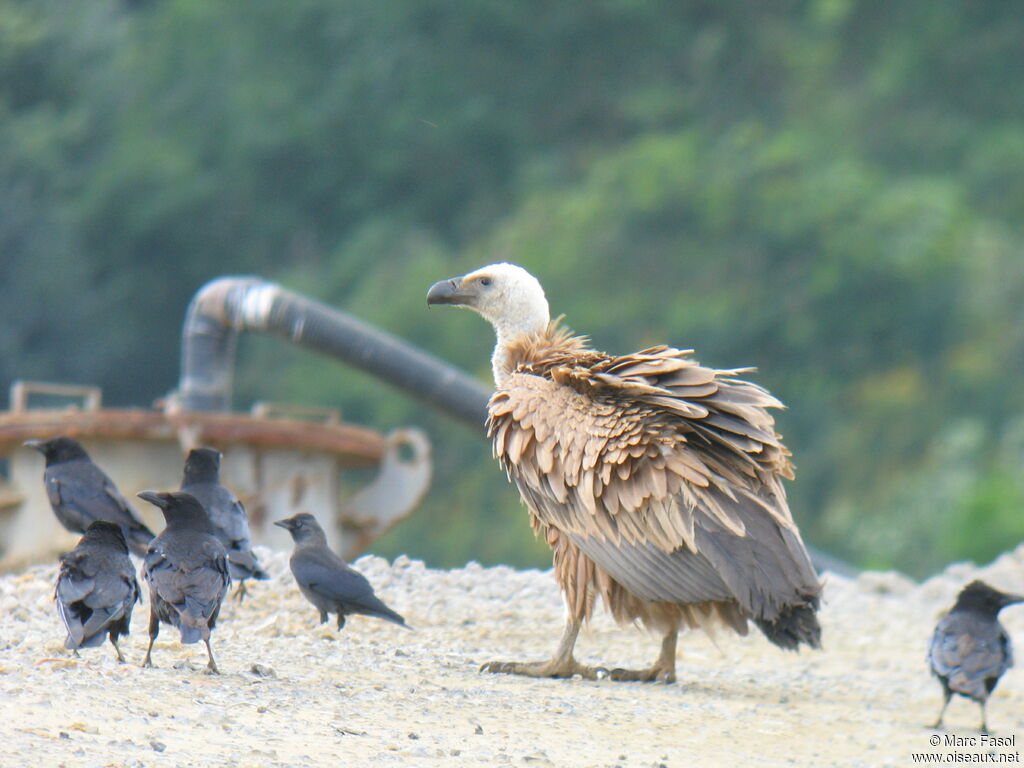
<point>294,694</point>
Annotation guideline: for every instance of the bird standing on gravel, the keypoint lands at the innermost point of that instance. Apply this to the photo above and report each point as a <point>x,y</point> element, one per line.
<point>970,649</point>
<point>656,481</point>
<point>187,572</point>
<point>96,588</point>
<point>326,580</point>
<point>226,513</point>
<point>80,492</point>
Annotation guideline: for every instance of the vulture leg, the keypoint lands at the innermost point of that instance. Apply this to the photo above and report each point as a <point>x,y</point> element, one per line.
<point>562,664</point>
<point>663,670</point>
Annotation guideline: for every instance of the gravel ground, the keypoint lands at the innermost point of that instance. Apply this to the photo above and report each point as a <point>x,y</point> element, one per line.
<point>294,694</point>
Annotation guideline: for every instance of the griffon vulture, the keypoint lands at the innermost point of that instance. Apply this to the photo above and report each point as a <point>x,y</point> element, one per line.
<point>656,481</point>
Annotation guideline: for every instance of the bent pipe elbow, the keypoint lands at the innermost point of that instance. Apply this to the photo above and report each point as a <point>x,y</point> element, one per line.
<point>227,306</point>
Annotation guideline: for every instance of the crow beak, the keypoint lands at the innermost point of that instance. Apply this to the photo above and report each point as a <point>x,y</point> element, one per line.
<point>155,498</point>
<point>450,291</point>
<point>37,444</point>
<point>1012,599</point>
<point>287,524</point>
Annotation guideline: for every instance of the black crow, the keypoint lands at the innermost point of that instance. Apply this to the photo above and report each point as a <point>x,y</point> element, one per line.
<point>80,492</point>
<point>970,649</point>
<point>326,580</point>
<point>230,523</point>
<point>187,572</point>
<point>97,588</point>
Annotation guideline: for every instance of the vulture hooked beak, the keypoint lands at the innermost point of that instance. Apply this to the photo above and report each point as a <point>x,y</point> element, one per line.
<point>451,291</point>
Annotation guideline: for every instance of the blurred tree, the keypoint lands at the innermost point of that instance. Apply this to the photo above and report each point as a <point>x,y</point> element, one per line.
<point>832,190</point>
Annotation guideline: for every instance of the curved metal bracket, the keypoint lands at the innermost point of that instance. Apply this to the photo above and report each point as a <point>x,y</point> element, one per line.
<point>402,482</point>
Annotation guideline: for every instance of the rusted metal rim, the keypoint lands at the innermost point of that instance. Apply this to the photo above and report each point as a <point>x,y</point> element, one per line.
<point>353,446</point>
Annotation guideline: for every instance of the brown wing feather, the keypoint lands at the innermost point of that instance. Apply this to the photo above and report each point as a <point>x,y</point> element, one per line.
<point>665,473</point>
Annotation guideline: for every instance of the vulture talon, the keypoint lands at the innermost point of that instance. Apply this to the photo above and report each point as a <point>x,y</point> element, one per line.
<point>551,669</point>
<point>650,675</point>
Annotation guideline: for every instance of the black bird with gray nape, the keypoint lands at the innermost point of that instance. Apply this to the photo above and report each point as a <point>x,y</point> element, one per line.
<point>226,513</point>
<point>96,588</point>
<point>80,492</point>
<point>327,581</point>
<point>970,649</point>
<point>187,572</point>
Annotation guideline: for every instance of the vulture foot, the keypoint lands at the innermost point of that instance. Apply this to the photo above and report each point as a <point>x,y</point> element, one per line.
<point>655,674</point>
<point>662,671</point>
<point>554,668</point>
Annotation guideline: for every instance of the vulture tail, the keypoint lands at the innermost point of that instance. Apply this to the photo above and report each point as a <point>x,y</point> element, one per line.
<point>795,624</point>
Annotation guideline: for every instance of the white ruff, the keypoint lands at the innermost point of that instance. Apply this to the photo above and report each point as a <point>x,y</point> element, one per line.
<point>516,305</point>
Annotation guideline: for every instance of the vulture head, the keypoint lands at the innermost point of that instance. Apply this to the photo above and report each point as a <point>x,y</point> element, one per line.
<point>505,295</point>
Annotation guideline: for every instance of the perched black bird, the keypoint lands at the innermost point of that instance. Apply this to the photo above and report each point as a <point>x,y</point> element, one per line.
<point>227,515</point>
<point>187,572</point>
<point>326,580</point>
<point>970,649</point>
<point>80,492</point>
<point>97,588</point>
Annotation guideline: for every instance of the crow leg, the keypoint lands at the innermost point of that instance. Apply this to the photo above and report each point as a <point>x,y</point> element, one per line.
<point>562,664</point>
<point>154,630</point>
<point>341,620</point>
<point>947,695</point>
<point>211,665</point>
<point>241,591</point>
<point>662,671</point>
<point>113,641</point>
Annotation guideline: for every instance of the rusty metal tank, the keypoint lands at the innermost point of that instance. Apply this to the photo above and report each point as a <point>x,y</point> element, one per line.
<point>280,460</point>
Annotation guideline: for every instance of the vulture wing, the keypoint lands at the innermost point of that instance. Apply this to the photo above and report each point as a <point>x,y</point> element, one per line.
<point>665,473</point>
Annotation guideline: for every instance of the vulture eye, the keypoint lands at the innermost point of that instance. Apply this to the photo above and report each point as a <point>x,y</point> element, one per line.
<point>485,281</point>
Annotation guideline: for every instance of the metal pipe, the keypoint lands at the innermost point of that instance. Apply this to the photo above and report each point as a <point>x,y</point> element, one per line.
<point>229,305</point>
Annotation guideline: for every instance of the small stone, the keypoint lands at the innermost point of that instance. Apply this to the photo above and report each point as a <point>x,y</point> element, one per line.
<point>159,746</point>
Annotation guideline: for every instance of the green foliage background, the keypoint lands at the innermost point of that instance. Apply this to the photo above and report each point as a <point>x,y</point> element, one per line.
<point>831,190</point>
